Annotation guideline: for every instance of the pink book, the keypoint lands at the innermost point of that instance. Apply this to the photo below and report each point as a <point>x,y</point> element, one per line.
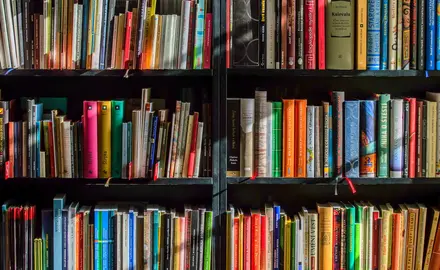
<point>192,152</point>
<point>321,34</point>
<point>90,126</point>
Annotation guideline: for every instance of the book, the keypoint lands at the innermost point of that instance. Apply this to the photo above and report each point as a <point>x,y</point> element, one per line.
<point>368,138</point>
<point>396,144</point>
<point>430,34</point>
<point>373,35</point>
<point>104,141</point>
<point>311,141</point>
<point>234,137</point>
<point>288,138</point>
<point>260,133</point>
<point>246,137</point>
<point>337,127</point>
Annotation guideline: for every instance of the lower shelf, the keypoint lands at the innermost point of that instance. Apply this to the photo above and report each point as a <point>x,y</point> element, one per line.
<point>330,181</point>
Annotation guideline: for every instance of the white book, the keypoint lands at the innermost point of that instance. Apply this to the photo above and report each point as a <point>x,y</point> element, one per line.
<point>167,45</point>
<point>71,231</point>
<point>74,35</point>
<point>301,229</point>
<point>269,236</point>
<point>260,133</point>
<point>4,33</point>
<point>184,33</point>
<point>396,142</point>
<point>11,35</point>
<point>79,37</point>
<point>176,42</point>
<point>67,149</point>
<point>20,31</point>
<point>42,164</point>
<point>154,44</point>
<point>118,246</point>
<point>15,30</point>
<point>125,239</point>
<point>269,143</point>
<point>97,36</point>
<point>198,150</point>
<point>270,34</point>
<point>392,35</point>
<point>170,147</point>
<point>2,52</point>
<point>166,21</point>
<point>399,35</point>
<point>319,141</point>
<point>310,141</point>
<point>313,240</point>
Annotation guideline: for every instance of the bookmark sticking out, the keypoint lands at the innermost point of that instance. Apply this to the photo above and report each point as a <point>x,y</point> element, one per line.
<point>156,170</point>
<point>107,183</point>
<point>254,176</point>
<point>7,170</point>
<point>126,74</point>
<point>350,184</point>
<point>336,185</point>
<point>130,170</point>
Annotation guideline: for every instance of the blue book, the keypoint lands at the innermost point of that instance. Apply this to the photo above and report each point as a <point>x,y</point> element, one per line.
<point>430,34</point>
<point>105,223</point>
<point>153,144</point>
<point>84,36</point>
<point>102,56</point>
<point>131,240</point>
<point>98,238</point>
<point>37,115</point>
<point>156,218</point>
<point>65,235</point>
<point>276,237</point>
<point>368,135</point>
<point>351,138</point>
<point>38,146</point>
<point>58,206</point>
<point>373,35</point>
<point>111,237</point>
<point>437,19</point>
<point>199,35</point>
<point>46,236</point>
<point>384,36</point>
<point>330,145</point>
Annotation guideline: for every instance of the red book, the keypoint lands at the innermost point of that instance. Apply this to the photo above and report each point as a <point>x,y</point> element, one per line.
<point>419,133</point>
<point>247,242</point>
<point>128,24</point>
<point>7,170</point>
<point>207,44</point>
<point>192,152</point>
<point>51,151</point>
<point>283,34</point>
<point>375,261</point>
<point>256,239</point>
<point>263,242</point>
<point>236,244</point>
<point>188,241</point>
<point>336,237</point>
<point>321,34</point>
<point>412,137</point>
<point>90,125</point>
<point>310,34</point>
<point>291,30</point>
<point>228,33</point>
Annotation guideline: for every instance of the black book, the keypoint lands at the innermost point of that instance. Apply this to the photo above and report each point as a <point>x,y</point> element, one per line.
<point>194,239</point>
<point>262,48</point>
<point>168,242</point>
<point>299,34</point>
<point>421,36</point>
<point>406,139</point>
<point>27,33</point>
<point>202,212</point>
<point>65,214</point>
<point>278,34</point>
<point>233,138</point>
<point>425,133</point>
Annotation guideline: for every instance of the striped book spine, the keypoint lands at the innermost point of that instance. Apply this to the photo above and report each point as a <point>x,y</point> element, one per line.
<point>326,136</point>
<point>430,34</point>
<point>368,139</point>
<point>338,101</point>
<point>351,111</point>
<point>260,133</point>
<point>384,36</point>
<point>396,142</point>
<point>437,37</point>
<point>310,141</point>
<point>373,34</point>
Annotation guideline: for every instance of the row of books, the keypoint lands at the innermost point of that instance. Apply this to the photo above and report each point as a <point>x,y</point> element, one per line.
<point>103,34</point>
<point>103,145</point>
<point>320,34</point>
<point>106,236</point>
<point>334,236</point>
<point>381,137</point>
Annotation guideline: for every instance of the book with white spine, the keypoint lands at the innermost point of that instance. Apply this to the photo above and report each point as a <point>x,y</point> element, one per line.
<point>184,33</point>
<point>198,150</point>
<point>176,47</point>
<point>79,37</point>
<point>67,169</point>
<point>2,53</point>
<point>97,36</point>
<point>318,141</point>
<point>247,108</point>
<point>310,141</point>
<point>4,33</point>
<point>270,30</point>
<point>11,36</point>
<point>260,132</point>
<point>269,172</point>
<point>19,12</point>
<point>396,142</point>
<point>74,35</point>
<point>392,34</point>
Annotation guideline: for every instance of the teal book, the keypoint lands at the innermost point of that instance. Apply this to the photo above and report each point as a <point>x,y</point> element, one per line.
<point>199,34</point>
<point>98,239</point>
<point>58,206</point>
<point>384,135</point>
<point>116,137</point>
<point>350,236</point>
<point>156,220</point>
<point>277,122</point>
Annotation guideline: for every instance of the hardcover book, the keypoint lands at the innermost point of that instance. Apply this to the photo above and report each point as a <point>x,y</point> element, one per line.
<point>233,165</point>
<point>368,138</point>
<point>246,138</point>
<point>396,142</point>
<point>352,117</point>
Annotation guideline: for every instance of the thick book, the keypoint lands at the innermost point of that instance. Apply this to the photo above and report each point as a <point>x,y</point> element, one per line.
<point>420,233</point>
<point>338,127</point>
<point>90,126</point>
<point>117,116</point>
<point>260,133</point>
<point>432,237</point>
<point>310,34</point>
<point>368,138</point>
<point>325,230</point>
<point>58,206</point>
<point>340,40</point>
<point>233,138</point>
<point>396,142</point>
<point>373,35</point>
<point>361,34</point>
<point>431,138</point>
<point>288,138</point>
<point>104,141</point>
<point>351,138</point>
<point>300,137</point>
<point>435,97</point>
<point>383,138</point>
<point>406,17</point>
<point>246,137</point>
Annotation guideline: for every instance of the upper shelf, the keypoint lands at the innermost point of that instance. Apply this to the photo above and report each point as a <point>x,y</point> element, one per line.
<point>284,73</point>
<point>331,181</point>
<point>121,73</point>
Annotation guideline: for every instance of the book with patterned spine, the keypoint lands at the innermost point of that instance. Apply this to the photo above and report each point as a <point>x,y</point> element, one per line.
<point>384,35</point>
<point>373,35</point>
<point>406,39</point>
<point>246,137</point>
<point>392,42</point>
<point>260,133</point>
<point>326,141</point>
<point>318,141</point>
<point>288,160</point>
<point>396,142</point>
<point>338,131</point>
<point>399,34</point>
<point>361,32</point>
<point>351,112</point>
<point>383,138</point>
<point>310,141</point>
<point>368,138</point>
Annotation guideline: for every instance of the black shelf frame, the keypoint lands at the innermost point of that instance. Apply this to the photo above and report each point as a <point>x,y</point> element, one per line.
<point>331,181</point>
<point>118,73</point>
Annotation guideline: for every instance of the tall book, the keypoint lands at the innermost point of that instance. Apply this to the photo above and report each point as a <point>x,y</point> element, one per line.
<point>352,113</point>
<point>414,35</point>
<point>270,34</point>
<point>420,239</point>
<point>90,127</point>
<point>58,206</point>
<point>260,133</point>
<point>269,138</point>
<point>277,137</point>
<point>430,34</point>
<point>431,139</point>
<point>435,97</point>
<point>288,138</point>
<point>310,141</point>
<point>386,237</point>
<point>233,162</point>
<point>300,147</point>
<point>310,34</point>
<point>299,63</point>
<point>383,138</point>
<point>338,116</point>
<point>340,40</point>
<point>325,230</point>
<point>412,137</point>
<point>431,238</point>
<point>368,143</point>
<point>318,141</point>
<point>321,7</point>
<point>421,35</point>
<point>406,17</point>
<point>373,35</point>
<point>396,142</point>
<point>361,34</point>
<point>117,116</point>
<point>384,35</point>
<point>104,141</point>
<point>326,136</point>
<point>247,109</point>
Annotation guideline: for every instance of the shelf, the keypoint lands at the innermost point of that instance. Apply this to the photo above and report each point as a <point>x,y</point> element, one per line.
<point>121,73</point>
<point>286,73</point>
<point>331,181</point>
<point>112,182</point>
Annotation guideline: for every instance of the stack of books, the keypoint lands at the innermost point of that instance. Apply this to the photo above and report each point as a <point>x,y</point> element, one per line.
<point>105,143</point>
<point>107,236</point>
<point>334,34</point>
<point>380,137</point>
<point>103,34</point>
<point>334,236</point>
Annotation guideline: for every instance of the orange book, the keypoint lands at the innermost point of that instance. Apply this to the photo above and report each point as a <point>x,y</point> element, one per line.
<point>255,240</point>
<point>397,241</point>
<point>79,220</point>
<point>301,137</point>
<point>288,138</point>
<point>435,256</point>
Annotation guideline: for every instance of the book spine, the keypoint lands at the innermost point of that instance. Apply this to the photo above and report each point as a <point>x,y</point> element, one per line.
<point>368,142</point>
<point>207,43</point>
<point>405,138</point>
<point>193,147</point>
<point>310,141</point>
<point>338,116</point>
<point>246,138</point>
<point>90,139</point>
<point>269,138</point>
<point>383,149</point>
<point>433,140</point>
<point>104,135</point>
<point>270,34</point>
<point>260,133</point>
<point>65,236</point>
<point>392,33</point>
<point>330,139</point>
<point>117,116</point>
<point>98,240</point>
<point>58,205</point>
<point>437,34</point>
<point>277,131</point>
<point>373,35</point>
<point>421,16</point>
<point>291,31</point>
<point>154,135</point>
<point>412,137</point>
<point>326,136</point>
<point>284,33</point>
<point>361,41</point>
<point>430,34</point>
<point>233,162</point>
<point>288,137</point>
<point>310,34</point>
<point>325,229</point>
<point>300,34</point>
<point>318,141</point>
<point>105,239</point>
<point>384,35</point>
<point>406,53</point>
<point>431,239</point>
<point>424,139</point>
<point>396,143</point>
<point>351,111</point>
<point>413,35</point>
<point>343,243</point>
<point>255,239</point>
<point>301,137</point>
<point>264,233</point>
<point>208,240</point>
<point>278,34</point>
<point>419,133</point>
<point>336,237</point>
<point>399,48</point>
<point>199,33</point>
<point>276,238</point>
<point>262,37</point>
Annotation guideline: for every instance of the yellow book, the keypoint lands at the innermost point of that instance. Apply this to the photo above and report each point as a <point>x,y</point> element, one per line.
<point>361,39</point>
<point>385,238</point>
<point>104,138</point>
<point>59,141</point>
<point>177,243</point>
<point>287,242</point>
<point>430,244</point>
<point>159,41</point>
<point>325,239</point>
<point>420,245</point>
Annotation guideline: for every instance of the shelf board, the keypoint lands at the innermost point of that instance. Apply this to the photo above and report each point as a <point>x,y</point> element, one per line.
<point>330,181</point>
<point>112,182</point>
<point>286,73</point>
<point>121,73</point>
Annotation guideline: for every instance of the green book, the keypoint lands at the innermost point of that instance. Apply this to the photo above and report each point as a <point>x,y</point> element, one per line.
<point>207,244</point>
<point>293,244</point>
<point>116,137</point>
<point>357,250</point>
<point>350,235</point>
<point>359,237</point>
<point>277,122</point>
<point>384,135</point>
